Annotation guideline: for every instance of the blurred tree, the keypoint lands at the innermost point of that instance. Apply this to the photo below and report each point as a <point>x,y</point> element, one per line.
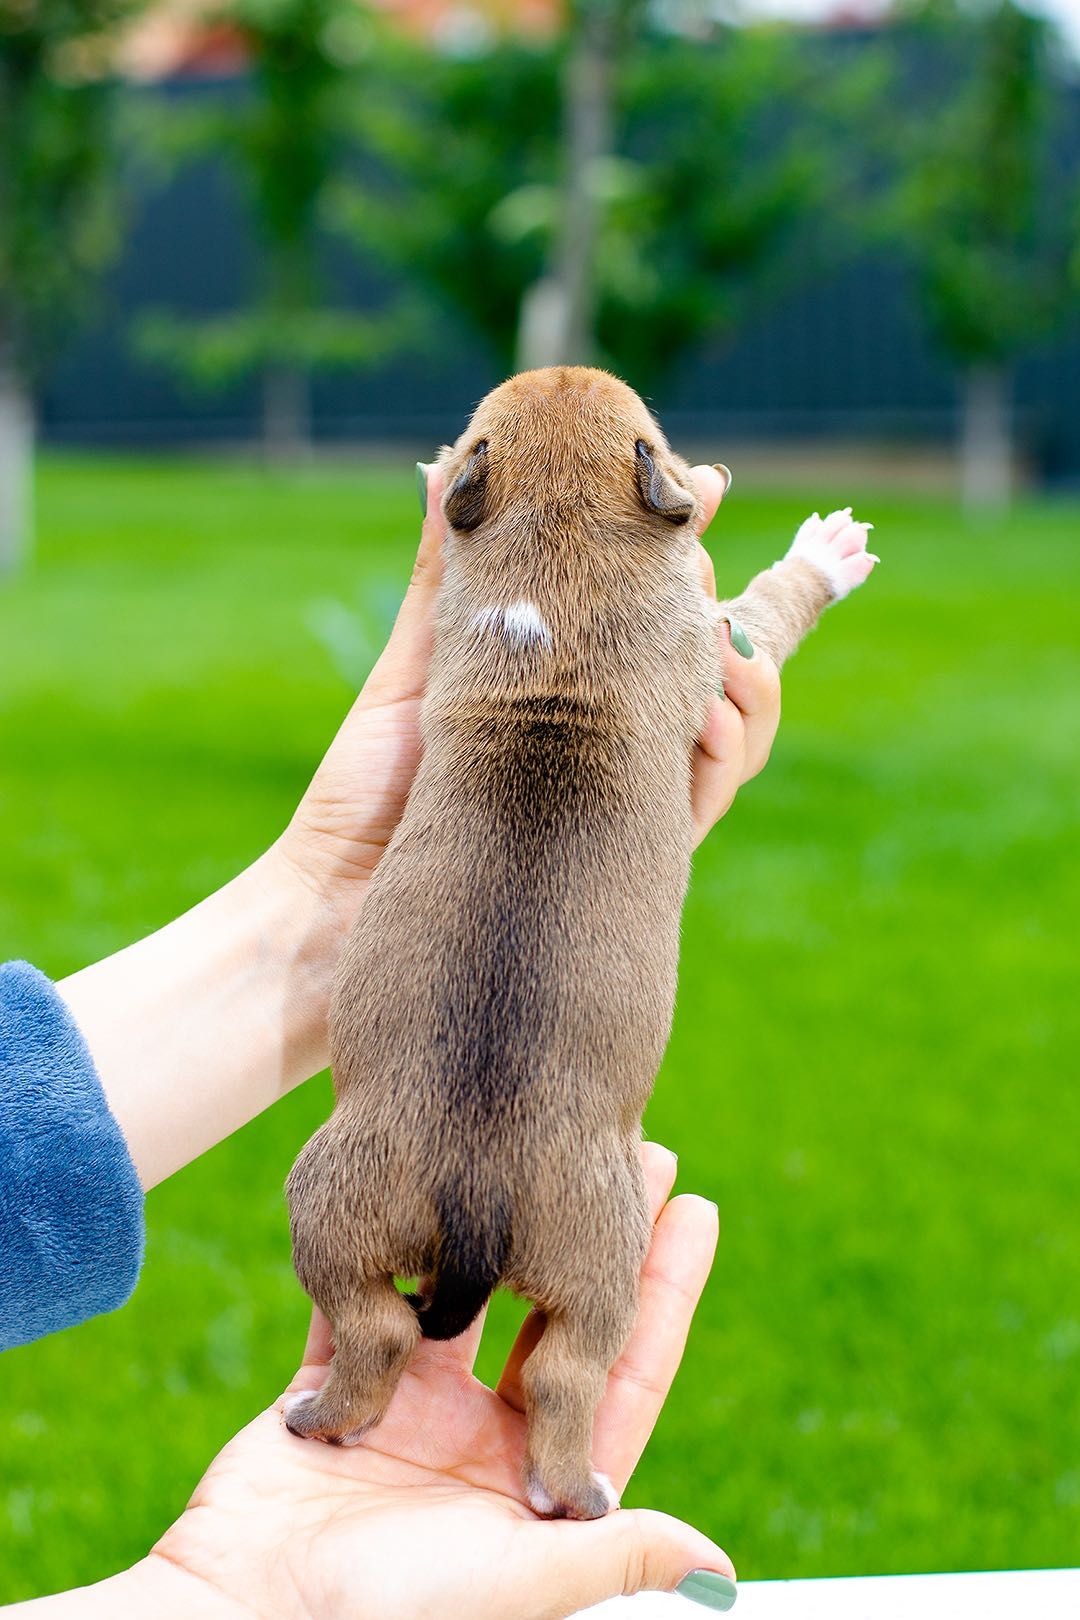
<point>57,212</point>
<point>447,138</point>
<point>285,140</point>
<point>558,315</point>
<point>626,231</point>
<point>975,210</point>
<point>730,168</point>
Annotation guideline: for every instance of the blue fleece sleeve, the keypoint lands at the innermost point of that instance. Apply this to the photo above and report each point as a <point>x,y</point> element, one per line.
<point>71,1208</point>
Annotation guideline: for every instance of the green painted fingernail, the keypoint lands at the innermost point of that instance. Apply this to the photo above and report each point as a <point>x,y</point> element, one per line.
<point>421,487</point>
<point>709,1588</point>
<point>739,638</point>
<point>721,694</point>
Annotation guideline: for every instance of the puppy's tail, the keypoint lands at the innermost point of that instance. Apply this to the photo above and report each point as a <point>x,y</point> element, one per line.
<point>474,1246</point>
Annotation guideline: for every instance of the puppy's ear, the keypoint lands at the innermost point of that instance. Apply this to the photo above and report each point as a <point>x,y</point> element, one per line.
<point>465,501</point>
<point>659,490</point>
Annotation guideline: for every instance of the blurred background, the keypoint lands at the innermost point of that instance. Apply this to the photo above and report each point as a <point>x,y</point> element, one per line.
<point>256,257</point>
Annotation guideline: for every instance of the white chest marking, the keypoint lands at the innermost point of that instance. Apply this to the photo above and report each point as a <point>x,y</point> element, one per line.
<point>521,624</point>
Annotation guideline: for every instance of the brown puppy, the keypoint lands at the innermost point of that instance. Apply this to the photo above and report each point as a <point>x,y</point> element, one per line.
<point>503,1003</point>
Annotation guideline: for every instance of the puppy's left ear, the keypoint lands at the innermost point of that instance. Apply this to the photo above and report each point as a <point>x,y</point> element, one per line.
<point>658,490</point>
<point>466,500</point>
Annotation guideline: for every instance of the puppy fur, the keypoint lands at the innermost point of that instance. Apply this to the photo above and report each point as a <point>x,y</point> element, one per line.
<point>503,1003</point>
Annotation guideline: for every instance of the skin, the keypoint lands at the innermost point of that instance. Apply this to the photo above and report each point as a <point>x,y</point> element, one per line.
<point>198,1028</point>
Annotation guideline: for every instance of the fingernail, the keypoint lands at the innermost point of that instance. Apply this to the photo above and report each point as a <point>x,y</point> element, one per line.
<point>868,525</point>
<point>421,487</point>
<point>725,472</point>
<point>709,1588</point>
<point>739,638</point>
<point>721,694</point>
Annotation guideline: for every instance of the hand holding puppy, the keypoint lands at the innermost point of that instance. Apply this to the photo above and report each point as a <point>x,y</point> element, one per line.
<point>428,1517</point>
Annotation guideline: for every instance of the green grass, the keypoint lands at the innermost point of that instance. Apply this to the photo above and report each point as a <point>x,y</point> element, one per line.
<point>873,1069</point>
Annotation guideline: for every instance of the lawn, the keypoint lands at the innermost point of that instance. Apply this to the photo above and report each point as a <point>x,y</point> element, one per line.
<point>874,1063</point>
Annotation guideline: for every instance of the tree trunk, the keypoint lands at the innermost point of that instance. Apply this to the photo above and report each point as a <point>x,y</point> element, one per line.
<point>557,314</point>
<point>16,468</point>
<point>986,440</point>
<point>286,414</point>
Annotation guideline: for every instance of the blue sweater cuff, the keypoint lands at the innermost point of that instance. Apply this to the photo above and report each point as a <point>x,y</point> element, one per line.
<point>71,1207</point>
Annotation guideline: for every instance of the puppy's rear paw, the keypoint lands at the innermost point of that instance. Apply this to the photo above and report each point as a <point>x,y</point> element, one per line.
<point>307,1417</point>
<point>836,546</point>
<point>588,1498</point>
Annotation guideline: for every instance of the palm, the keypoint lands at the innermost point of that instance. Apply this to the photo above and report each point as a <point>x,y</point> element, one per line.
<point>441,1474</point>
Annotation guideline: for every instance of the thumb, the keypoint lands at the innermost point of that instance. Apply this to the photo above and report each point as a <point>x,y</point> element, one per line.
<point>402,668</point>
<point>641,1551</point>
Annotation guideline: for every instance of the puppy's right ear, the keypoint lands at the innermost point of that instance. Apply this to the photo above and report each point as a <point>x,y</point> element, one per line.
<point>465,501</point>
<point>658,490</point>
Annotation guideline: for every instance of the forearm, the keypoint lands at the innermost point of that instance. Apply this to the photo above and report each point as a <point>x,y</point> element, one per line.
<point>153,1587</point>
<point>201,1026</point>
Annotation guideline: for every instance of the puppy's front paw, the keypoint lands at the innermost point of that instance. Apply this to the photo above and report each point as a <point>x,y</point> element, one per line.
<point>836,546</point>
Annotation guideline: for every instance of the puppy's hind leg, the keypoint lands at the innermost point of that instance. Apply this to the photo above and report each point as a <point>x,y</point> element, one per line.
<point>375,1333</point>
<point>564,1381</point>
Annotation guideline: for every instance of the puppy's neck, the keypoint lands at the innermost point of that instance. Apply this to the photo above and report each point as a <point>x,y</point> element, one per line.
<point>577,607</point>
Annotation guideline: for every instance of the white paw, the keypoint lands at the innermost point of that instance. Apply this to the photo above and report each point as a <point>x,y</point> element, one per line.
<point>608,1489</point>
<point>539,1499</point>
<point>291,1403</point>
<point>836,545</point>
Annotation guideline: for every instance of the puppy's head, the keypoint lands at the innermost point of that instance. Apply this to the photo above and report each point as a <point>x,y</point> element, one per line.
<point>567,446</point>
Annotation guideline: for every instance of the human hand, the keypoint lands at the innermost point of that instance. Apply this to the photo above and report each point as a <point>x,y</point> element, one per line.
<point>741,722</point>
<point>348,814</point>
<point>427,1516</point>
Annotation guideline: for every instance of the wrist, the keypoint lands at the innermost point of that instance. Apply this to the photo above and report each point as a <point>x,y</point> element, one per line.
<point>298,928</point>
<point>154,1586</point>
<point>163,1588</point>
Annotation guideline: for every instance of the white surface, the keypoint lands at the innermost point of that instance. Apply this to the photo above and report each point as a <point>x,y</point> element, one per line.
<point>1037,1594</point>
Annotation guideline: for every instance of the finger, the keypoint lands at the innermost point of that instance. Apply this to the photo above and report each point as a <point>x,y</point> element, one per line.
<point>706,571</point>
<point>717,766</point>
<point>675,1272</point>
<point>403,664</point>
<point>711,486</point>
<point>752,685</point>
<point>318,1353</point>
<point>319,1348</point>
<point>450,1355</point>
<point>633,1551</point>
<point>659,1167</point>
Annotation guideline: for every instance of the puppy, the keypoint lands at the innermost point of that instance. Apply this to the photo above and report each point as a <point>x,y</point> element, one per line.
<point>503,1003</point>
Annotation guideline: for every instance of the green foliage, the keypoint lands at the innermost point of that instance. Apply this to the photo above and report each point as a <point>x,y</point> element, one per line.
<point>215,352</point>
<point>733,163</point>
<point>283,141</point>
<point>976,207</point>
<point>58,202</point>
<point>870,1067</point>
<point>704,193</point>
<point>450,140</point>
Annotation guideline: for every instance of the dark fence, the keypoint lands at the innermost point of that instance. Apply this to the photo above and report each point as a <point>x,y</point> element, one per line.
<point>841,355</point>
